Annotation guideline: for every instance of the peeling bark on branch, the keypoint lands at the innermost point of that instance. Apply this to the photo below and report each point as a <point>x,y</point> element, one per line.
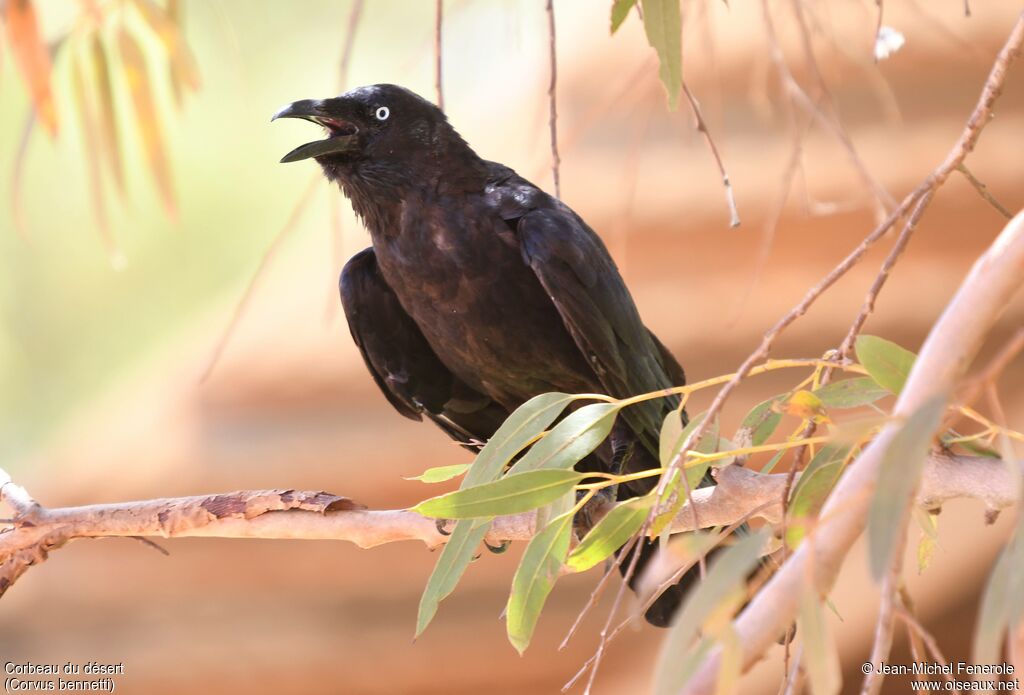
<point>313,515</point>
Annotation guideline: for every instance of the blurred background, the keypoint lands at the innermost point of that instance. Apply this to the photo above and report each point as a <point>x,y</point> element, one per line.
<point>108,332</point>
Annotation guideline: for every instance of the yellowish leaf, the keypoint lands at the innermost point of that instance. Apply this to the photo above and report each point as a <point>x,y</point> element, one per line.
<point>32,58</point>
<point>184,71</point>
<point>106,115</point>
<point>929,524</point>
<point>87,127</point>
<point>804,405</point>
<point>147,120</point>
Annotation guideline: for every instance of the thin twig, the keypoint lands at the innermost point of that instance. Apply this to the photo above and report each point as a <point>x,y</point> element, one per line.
<point>878,30</point>
<point>772,223</point>
<point>800,96</point>
<point>350,38</point>
<point>846,348</point>
<point>983,191</point>
<point>885,625</point>
<point>973,388</point>
<point>791,684</point>
<point>610,572</point>
<point>976,123</point>
<point>675,577</point>
<point>930,643</point>
<point>18,175</point>
<point>438,22</point>
<point>289,226</point>
<point>734,214</point>
<point>603,637</point>
<point>556,161</point>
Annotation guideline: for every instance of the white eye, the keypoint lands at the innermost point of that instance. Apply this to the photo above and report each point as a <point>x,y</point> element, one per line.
<point>382,113</point>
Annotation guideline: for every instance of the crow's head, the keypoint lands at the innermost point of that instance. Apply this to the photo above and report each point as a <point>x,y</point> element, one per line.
<point>380,126</point>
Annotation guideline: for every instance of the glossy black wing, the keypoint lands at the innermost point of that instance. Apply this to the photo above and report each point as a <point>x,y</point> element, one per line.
<point>579,275</point>
<point>404,365</point>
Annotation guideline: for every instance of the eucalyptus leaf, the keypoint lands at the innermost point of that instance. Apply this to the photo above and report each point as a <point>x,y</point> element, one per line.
<point>674,491</point>
<point>1002,603</point>
<point>761,422</point>
<point>820,653</point>
<point>608,534</point>
<point>886,362</point>
<point>455,557</point>
<point>571,439</point>
<point>850,393</point>
<point>726,571</point>
<point>900,471</point>
<point>526,423</point>
<point>440,474</point>
<point>534,579</point>
<point>815,484</point>
<point>664,27</point>
<point>521,427</point>
<point>620,10</point>
<point>512,494</point>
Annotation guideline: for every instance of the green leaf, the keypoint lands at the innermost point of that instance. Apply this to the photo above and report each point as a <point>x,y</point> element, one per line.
<point>684,667</point>
<point>608,535</point>
<point>902,462</point>
<point>671,438</point>
<point>455,557</point>
<point>929,524</point>
<point>886,362</point>
<point>976,447</point>
<point>726,571</point>
<point>851,393</point>
<point>1002,604</point>
<point>664,28</point>
<point>441,473</point>
<point>694,474</point>
<point>820,652</point>
<point>513,494</point>
<point>760,422</point>
<point>620,10</point>
<point>523,425</point>
<point>534,579</point>
<point>815,483</point>
<point>571,439</point>
<point>527,422</point>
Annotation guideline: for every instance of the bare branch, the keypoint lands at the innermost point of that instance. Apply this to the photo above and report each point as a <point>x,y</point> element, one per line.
<point>556,161</point>
<point>243,301</point>
<point>316,515</point>
<point>885,626</point>
<point>983,191</point>
<point>438,22</point>
<point>963,146</point>
<point>350,39</point>
<point>734,214</point>
<point>883,274</point>
<point>973,388</point>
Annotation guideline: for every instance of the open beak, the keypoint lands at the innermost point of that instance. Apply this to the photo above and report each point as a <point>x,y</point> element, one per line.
<point>341,134</point>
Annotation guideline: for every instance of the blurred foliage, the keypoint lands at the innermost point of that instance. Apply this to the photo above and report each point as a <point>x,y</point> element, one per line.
<point>538,471</point>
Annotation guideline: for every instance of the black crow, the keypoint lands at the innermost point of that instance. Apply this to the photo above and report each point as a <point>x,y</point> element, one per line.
<point>481,290</point>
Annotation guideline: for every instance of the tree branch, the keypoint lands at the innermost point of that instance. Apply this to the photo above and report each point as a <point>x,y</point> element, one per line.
<point>949,349</point>
<point>315,515</point>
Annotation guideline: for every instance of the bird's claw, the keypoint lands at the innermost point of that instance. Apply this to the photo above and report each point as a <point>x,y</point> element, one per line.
<point>441,524</point>
<point>498,549</point>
